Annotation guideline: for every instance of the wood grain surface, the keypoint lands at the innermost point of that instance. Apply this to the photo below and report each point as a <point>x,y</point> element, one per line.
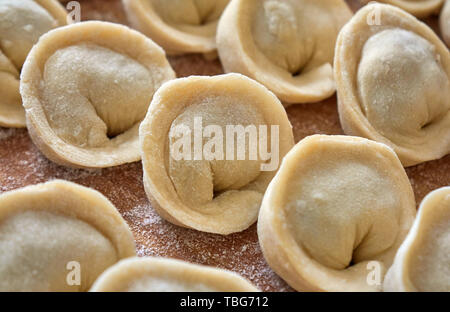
<point>22,164</point>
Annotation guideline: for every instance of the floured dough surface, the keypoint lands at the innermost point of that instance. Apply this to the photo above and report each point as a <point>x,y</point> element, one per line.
<point>37,246</point>
<point>332,196</point>
<point>168,275</point>
<point>202,183</point>
<point>215,176</point>
<point>22,164</point>
<point>58,236</point>
<point>180,26</point>
<point>86,88</point>
<point>286,45</point>
<point>444,21</point>
<point>297,37</point>
<point>418,8</point>
<point>423,261</point>
<point>430,269</point>
<point>337,204</point>
<point>182,13</point>
<point>398,95</point>
<point>92,94</point>
<point>21,25</point>
<point>147,284</point>
<point>405,76</point>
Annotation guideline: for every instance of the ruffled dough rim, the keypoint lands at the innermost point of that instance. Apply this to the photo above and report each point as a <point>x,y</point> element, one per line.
<point>76,201</point>
<point>288,259</point>
<point>243,56</point>
<point>398,276</point>
<point>353,120</point>
<point>157,183</point>
<point>119,38</point>
<point>125,271</point>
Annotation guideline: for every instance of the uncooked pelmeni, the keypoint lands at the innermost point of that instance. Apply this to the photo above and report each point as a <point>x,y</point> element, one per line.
<point>418,8</point>
<point>21,24</point>
<point>422,262</point>
<point>59,236</point>
<point>335,214</point>
<point>179,26</point>
<point>168,275</point>
<point>191,184</point>
<point>287,45</point>
<point>86,87</point>
<point>444,21</point>
<point>393,83</point>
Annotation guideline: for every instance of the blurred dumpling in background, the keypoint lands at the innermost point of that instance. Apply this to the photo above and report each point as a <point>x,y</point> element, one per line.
<point>179,26</point>
<point>418,8</point>
<point>445,22</point>
<point>21,25</point>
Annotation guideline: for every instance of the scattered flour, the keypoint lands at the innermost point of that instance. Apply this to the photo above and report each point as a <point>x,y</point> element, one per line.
<point>6,133</point>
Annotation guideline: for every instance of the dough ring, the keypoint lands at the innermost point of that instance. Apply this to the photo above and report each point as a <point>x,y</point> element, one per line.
<point>21,24</point>
<point>221,195</point>
<point>335,214</point>
<point>179,26</point>
<point>399,94</point>
<point>52,232</point>
<point>86,88</point>
<point>422,262</point>
<point>168,275</point>
<point>288,45</point>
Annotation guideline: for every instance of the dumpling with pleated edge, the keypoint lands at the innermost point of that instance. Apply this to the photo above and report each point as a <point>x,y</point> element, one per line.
<point>86,88</point>
<point>335,214</point>
<point>59,236</point>
<point>287,45</point>
<point>393,83</point>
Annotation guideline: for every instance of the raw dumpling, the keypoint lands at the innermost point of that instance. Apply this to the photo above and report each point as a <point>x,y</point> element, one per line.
<point>287,45</point>
<point>50,230</point>
<point>418,8</point>
<point>422,262</point>
<point>398,94</point>
<point>21,24</point>
<point>86,88</point>
<point>179,26</point>
<point>191,178</point>
<point>168,275</point>
<point>335,214</point>
<point>445,22</point>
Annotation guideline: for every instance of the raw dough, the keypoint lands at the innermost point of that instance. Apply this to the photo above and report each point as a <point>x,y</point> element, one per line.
<point>418,8</point>
<point>168,275</point>
<point>21,24</point>
<point>217,196</point>
<point>47,231</point>
<point>287,45</point>
<point>393,83</point>
<point>179,26</point>
<point>422,262</point>
<point>86,88</point>
<point>335,214</point>
<point>444,21</point>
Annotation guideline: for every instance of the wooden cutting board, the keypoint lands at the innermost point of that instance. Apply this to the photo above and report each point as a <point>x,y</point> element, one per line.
<point>22,164</point>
